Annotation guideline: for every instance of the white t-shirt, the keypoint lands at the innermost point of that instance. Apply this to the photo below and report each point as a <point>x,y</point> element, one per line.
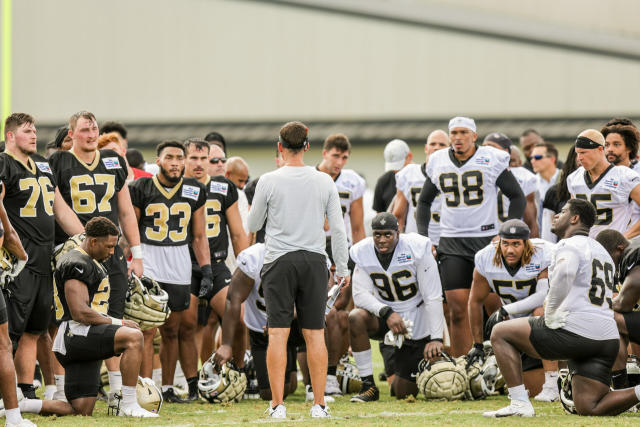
<point>167,264</point>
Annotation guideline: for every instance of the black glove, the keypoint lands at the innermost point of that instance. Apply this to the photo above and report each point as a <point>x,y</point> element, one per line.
<point>497,317</point>
<point>476,354</point>
<point>206,283</point>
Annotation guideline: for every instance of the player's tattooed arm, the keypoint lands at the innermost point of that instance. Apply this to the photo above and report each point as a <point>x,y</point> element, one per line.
<point>629,294</point>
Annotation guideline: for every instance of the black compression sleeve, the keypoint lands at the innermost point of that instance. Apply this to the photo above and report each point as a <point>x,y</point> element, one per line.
<point>510,188</point>
<point>423,210</point>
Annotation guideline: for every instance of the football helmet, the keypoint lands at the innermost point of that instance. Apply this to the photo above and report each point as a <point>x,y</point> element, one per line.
<point>444,379</point>
<point>477,387</point>
<point>72,242</point>
<point>221,384</point>
<point>566,391</point>
<point>7,263</point>
<point>146,302</point>
<point>348,377</point>
<point>148,396</point>
<point>492,380</point>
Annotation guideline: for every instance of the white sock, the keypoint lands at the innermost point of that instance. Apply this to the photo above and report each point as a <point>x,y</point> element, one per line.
<point>49,391</point>
<point>363,362</point>
<point>33,406</point>
<point>157,376</point>
<point>128,395</point>
<point>59,383</point>
<point>13,416</point>
<point>166,387</point>
<point>519,393</point>
<point>551,378</point>
<point>637,390</point>
<point>115,380</point>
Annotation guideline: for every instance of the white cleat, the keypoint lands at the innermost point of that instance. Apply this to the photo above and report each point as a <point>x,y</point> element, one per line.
<point>318,411</point>
<point>136,411</point>
<point>548,394</point>
<point>517,408</point>
<point>24,423</point>
<point>332,387</point>
<point>308,395</point>
<point>278,412</point>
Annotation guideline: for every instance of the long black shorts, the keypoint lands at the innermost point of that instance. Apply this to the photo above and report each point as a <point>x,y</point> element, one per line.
<point>456,256</point>
<point>588,358</point>
<point>297,278</point>
<point>29,304</point>
<point>117,269</point>
<point>84,358</point>
<point>179,296</point>
<point>632,320</point>
<point>259,343</point>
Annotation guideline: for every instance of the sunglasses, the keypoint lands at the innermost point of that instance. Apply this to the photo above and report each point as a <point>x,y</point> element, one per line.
<point>537,157</point>
<point>215,160</point>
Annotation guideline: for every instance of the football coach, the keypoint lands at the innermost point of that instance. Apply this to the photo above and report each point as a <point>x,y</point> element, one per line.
<point>295,200</point>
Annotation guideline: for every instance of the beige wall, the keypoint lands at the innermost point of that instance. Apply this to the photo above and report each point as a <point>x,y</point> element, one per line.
<point>194,60</point>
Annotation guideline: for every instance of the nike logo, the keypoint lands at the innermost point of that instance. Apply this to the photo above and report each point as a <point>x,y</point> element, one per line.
<point>227,280</point>
<point>630,267</point>
<point>413,375</point>
<point>80,270</point>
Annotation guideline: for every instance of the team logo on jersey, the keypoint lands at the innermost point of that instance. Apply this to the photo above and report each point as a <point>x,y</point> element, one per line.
<point>219,187</point>
<point>532,268</point>
<point>483,161</point>
<point>404,258</point>
<point>44,167</point>
<point>611,183</point>
<point>190,191</point>
<point>111,163</point>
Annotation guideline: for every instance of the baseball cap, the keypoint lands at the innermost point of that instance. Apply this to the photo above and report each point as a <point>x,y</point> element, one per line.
<point>514,229</point>
<point>395,153</point>
<point>499,138</point>
<point>462,122</point>
<point>384,221</point>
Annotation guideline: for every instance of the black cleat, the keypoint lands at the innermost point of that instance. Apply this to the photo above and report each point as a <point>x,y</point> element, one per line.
<point>170,396</point>
<point>368,393</point>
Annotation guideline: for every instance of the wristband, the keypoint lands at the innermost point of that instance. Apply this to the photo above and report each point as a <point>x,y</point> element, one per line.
<point>436,339</point>
<point>385,312</point>
<point>136,252</point>
<point>118,322</point>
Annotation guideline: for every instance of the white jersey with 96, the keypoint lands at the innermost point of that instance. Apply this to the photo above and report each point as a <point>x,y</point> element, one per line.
<point>511,288</point>
<point>609,194</point>
<point>528,183</point>
<point>351,187</point>
<point>469,191</point>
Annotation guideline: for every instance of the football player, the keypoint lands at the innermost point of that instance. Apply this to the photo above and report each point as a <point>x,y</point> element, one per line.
<point>395,285</point>
<point>170,211</point>
<point>87,335</point>
<point>609,188</point>
<point>221,210</point>
<point>468,176</point>
<point>409,182</point>
<point>514,268</point>
<point>578,323</point>
<point>93,182</point>
<point>33,204</point>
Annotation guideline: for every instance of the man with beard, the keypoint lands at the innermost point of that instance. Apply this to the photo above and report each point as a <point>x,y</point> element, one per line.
<point>171,213</point>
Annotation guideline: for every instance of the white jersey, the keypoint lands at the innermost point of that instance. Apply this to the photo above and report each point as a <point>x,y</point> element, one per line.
<point>609,194</point>
<point>350,187</point>
<point>528,183</point>
<point>514,287</point>
<point>410,180</point>
<point>250,262</point>
<point>635,209</point>
<point>469,192</point>
<point>398,286</point>
<point>588,302</point>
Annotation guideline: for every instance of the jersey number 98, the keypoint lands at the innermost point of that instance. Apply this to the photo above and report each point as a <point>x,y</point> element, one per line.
<point>472,192</point>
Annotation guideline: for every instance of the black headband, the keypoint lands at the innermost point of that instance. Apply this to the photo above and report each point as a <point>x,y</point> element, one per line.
<point>586,143</point>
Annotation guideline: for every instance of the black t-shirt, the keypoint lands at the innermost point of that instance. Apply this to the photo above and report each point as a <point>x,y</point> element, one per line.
<point>28,200</point>
<point>165,214</point>
<point>384,192</point>
<point>89,189</point>
<point>78,265</point>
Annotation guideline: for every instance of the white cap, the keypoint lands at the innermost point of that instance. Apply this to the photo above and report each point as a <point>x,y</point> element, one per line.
<point>462,122</point>
<point>395,153</point>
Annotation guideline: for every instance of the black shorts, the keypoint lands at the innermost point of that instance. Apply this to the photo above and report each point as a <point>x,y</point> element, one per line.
<point>456,256</point>
<point>29,302</point>
<point>588,358</point>
<point>179,296</point>
<point>388,358</point>
<point>297,278</point>
<point>84,358</point>
<point>404,360</point>
<point>221,279</point>
<point>118,284</point>
<point>3,310</point>
<point>259,343</point>
<point>632,320</point>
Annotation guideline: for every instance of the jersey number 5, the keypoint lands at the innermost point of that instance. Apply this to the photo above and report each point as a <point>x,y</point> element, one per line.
<point>472,192</point>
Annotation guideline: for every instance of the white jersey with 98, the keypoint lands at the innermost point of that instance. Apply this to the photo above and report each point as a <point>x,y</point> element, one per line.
<point>469,191</point>
<point>511,288</point>
<point>351,187</point>
<point>397,286</point>
<point>609,194</point>
<point>528,183</point>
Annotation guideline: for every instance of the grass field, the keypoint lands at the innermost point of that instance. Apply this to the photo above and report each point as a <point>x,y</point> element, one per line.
<point>387,411</point>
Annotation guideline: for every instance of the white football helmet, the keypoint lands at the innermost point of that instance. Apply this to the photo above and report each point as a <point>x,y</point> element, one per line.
<point>566,391</point>
<point>348,377</point>
<point>224,384</point>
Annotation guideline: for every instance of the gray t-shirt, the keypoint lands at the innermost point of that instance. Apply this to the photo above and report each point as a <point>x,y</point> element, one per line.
<point>294,201</point>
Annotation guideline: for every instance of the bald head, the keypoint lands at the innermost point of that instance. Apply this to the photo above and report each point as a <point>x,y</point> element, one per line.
<point>437,140</point>
<point>593,135</point>
<point>237,171</point>
<point>590,152</point>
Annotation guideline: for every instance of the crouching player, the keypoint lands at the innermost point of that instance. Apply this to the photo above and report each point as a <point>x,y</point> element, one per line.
<point>86,335</point>
<point>577,325</point>
<point>515,268</point>
<point>395,282</point>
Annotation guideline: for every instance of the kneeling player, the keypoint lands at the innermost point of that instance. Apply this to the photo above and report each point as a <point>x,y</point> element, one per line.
<point>86,335</point>
<point>395,280</point>
<point>577,325</point>
<point>515,268</point>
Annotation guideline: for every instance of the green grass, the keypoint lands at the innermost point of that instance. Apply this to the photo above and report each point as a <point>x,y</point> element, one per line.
<point>387,411</point>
